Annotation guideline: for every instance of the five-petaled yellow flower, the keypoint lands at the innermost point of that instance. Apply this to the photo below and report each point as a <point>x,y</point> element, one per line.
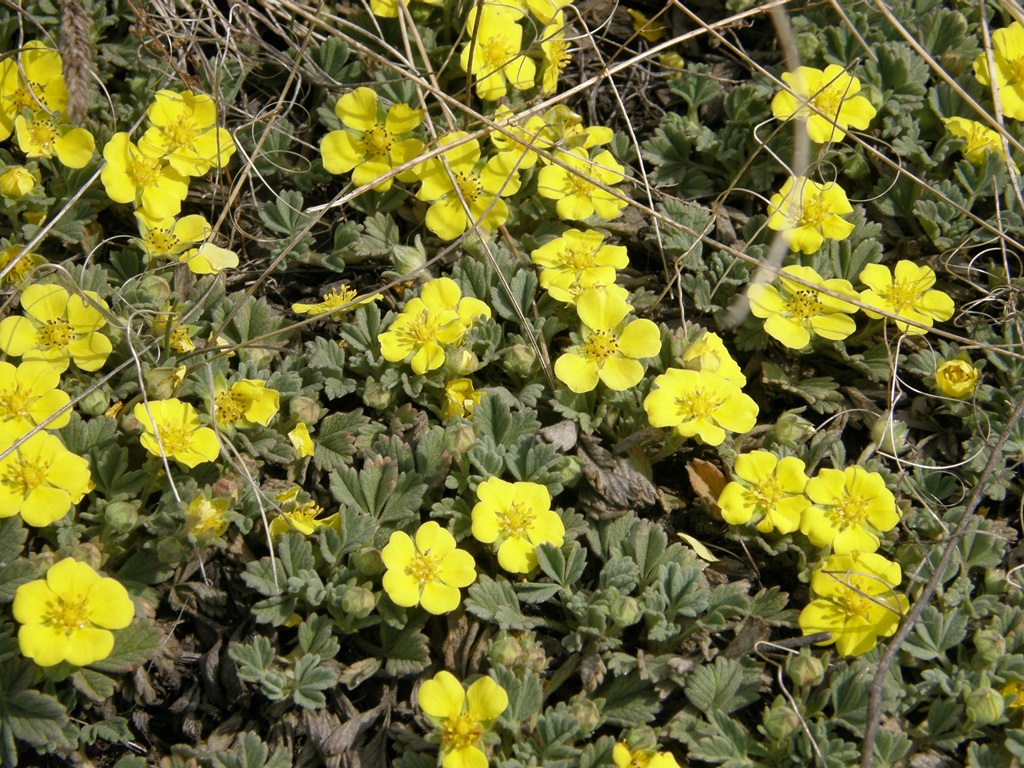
<point>578,259</point>
<point>57,328</point>
<point>766,488</point>
<point>40,479</point>
<point>301,516</point>
<point>794,313</point>
<point>374,145</point>
<point>609,349</point>
<point>462,716</point>
<point>29,396</point>
<point>40,89</point>
<point>439,317</point>
<point>576,186</point>
<point>701,404</point>
<point>140,176</point>
<point>185,240</point>
<point>1008,54</point>
<point>827,99</point>
<point>478,187</point>
<point>184,132</point>
<point>428,570</point>
<point>855,602</point>
<point>494,52</point>
<point>851,507</point>
<point>39,136</point>
<point>555,53</point>
<point>624,757</point>
<point>978,138</point>
<point>907,294</point>
<point>172,429</point>
<point>807,212</point>
<point>957,378</point>
<point>517,517</point>
<point>68,615</point>
<point>245,403</point>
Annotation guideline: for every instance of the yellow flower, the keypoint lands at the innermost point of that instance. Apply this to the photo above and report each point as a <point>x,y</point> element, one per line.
<point>978,138</point>
<point>766,488</point>
<point>68,615</point>
<point>388,9</point>
<point>1014,693</point>
<point>796,312</point>
<point>610,350</point>
<point>29,396</point>
<point>497,60</point>
<point>301,441</point>
<point>438,318</point>
<point>624,757</point>
<point>183,131</point>
<point>206,518</point>
<point>58,328</point>
<point>555,52</point>
<point>427,571</point>
<point>526,138</point>
<point>172,429</point>
<point>335,301</point>
<point>17,181</point>
<point>578,197</point>
<point>137,176</point>
<point>807,213</point>
<point>303,516</point>
<point>518,517</point>
<point>545,10</point>
<point>856,602</point>
<point>39,136</point>
<point>245,403</point>
<point>167,324</point>
<point>563,129</point>
<point>18,265</point>
<point>183,239</point>
<point>651,31</point>
<point>40,479</point>
<point>709,354</point>
<point>578,257</point>
<point>1008,54</point>
<point>462,716</point>
<point>957,378</point>
<point>907,294</point>
<point>478,188</point>
<point>373,147</point>
<point>851,507</point>
<point>40,89</point>
<point>832,93</point>
<point>461,399</point>
<point>698,403</point>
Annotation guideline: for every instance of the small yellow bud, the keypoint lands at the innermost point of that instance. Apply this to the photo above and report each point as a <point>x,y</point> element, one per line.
<point>957,378</point>
<point>17,182</point>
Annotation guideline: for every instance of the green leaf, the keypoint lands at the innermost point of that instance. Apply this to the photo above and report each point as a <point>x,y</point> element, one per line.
<point>936,632</point>
<point>725,744</point>
<point>34,718</point>
<point>284,214</point>
<point>249,751</point>
<point>406,652</point>
<point>111,475</point>
<point>496,601</point>
<point>524,695</point>
<point>331,56</point>
<point>621,573</point>
<point>523,286</point>
<point>628,701</point>
<point>93,684</point>
<point>566,570</point>
<point>253,660</point>
<point>723,686</point>
<point>132,645</point>
<point>311,680</point>
<point>316,637</point>
<point>114,730</point>
<point>337,439</point>
<point>13,574</point>
<point>380,491</point>
<point>296,553</point>
<point>492,418</point>
<point>12,539</point>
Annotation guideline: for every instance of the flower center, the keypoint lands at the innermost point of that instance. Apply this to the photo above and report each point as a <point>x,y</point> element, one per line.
<point>697,405</point>
<point>460,732</point>
<point>805,304</point>
<point>851,510</point>
<point>517,520</point>
<point>30,96</point>
<point>23,475</point>
<point>229,407</point>
<point>854,596</point>
<point>469,186</point>
<point>15,403</point>
<point>577,259</point>
<point>421,329</point>
<point>69,613</point>
<point>903,294</point>
<point>497,50</point>
<point>182,131</point>
<point>175,438</point>
<point>307,513</point>
<point>20,269</point>
<point>830,100</point>
<point>768,492</point>
<point>56,334</point>
<point>600,345</point>
<point>145,171</point>
<point>377,141</point>
<point>161,242</point>
<point>1016,67</point>
<point>558,53</point>
<point>42,134</point>
<point>577,185</point>
<point>425,568</point>
<point>813,212</point>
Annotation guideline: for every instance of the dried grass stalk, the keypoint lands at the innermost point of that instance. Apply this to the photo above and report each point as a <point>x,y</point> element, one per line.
<point>76,53</point>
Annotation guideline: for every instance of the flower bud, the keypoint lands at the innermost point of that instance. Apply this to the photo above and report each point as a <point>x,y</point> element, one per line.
<point>792,429</point>
<point>459,440</point>
<point>358,602</point>
<point>304,409</point>
<point>985,706</point>
<point>586,712</point>
<point>805,670</point>
<point>121,516</point>
<point>990,645</point>
<point>519,651</point>
<point>519,359</point>
<point>377,396</point>
<point>408,259</point>
<point>624,610</point>
<point>17,182</point>
<point>780,721</point>
<point>890,436</point>
<point>94,403</point>
<point>957,378</point>
<point>368,562</point>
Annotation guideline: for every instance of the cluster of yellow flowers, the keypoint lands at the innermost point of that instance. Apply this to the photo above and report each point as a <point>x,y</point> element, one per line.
<point>794,312</point>
<point>844,511</point>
